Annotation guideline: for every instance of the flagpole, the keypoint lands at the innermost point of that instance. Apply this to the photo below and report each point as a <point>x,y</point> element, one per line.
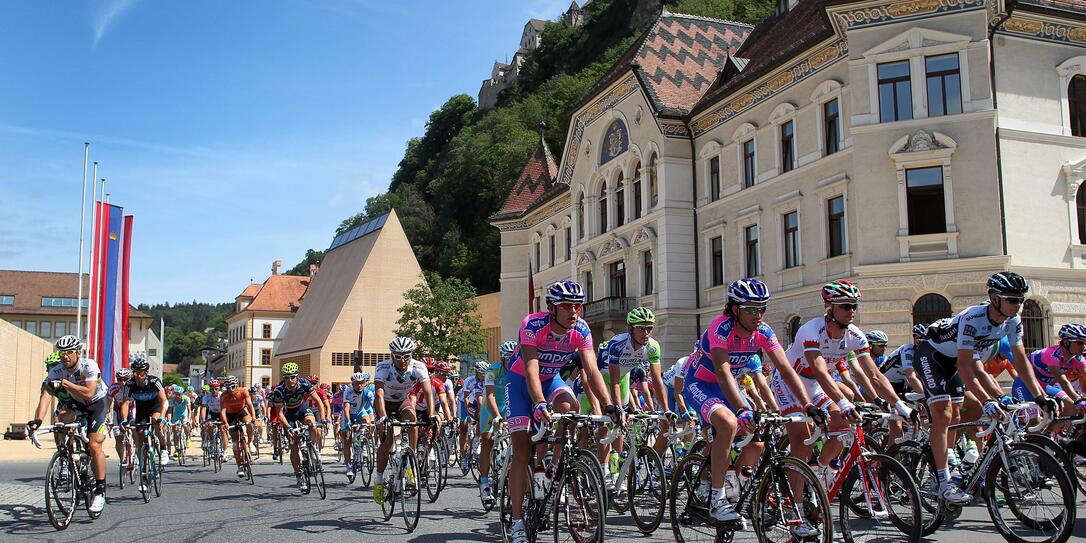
<point>82,228</point>
<point>85,334</point>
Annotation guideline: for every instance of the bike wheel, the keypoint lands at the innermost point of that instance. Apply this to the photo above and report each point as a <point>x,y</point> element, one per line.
<point>443,461</point>
<point>589,458</point>
<point>388,506</point>
<point>918,461</point>
<point>87,487</point>
<point>431,475</point>
<point>122,469</point>
<point>647,489</point>
<point>316,470</point>
<point>688,507</point>
<point>60,490</point>
<point>505,511</point>
<point>776,503</point>
<point>878,501</point>
<point>365,456</point>
<point>156,472</point>
<point>1060,454</point>
<point>1038,494</point>
<point>145,475</point>
<point>579,513</point>
<point>410,495</point>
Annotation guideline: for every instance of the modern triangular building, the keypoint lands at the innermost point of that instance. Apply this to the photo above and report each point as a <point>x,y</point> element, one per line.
<point>353,299</point>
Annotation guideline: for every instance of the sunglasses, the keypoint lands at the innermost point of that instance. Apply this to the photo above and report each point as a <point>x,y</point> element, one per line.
<point>643,328</point>
<point>401,356</point>
<point>70,351</point>
<point>753,309</point>
<point>290,377</point>
<point>849,306</point>
<point>139,373</point>
<point>570,306</point>
<point>1017,300</point>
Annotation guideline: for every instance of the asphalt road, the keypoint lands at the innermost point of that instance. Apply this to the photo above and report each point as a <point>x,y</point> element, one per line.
<point>199,505</point>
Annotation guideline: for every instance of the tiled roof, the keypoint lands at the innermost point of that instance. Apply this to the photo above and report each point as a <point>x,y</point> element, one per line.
<point>764,48</point>
<point>535,179</point>
<point>677,59</point>
<point>29,287</point>
<point>1075,7</point>
<point>279,292</point>
<point>250,291</point>
<point>538,24</point>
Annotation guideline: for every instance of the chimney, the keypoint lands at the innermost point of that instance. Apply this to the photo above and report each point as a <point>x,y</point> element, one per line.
<point>313,269</point>
<point>275,267</point>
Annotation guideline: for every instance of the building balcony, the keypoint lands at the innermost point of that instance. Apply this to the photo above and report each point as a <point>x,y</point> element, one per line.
<point>610,308</point>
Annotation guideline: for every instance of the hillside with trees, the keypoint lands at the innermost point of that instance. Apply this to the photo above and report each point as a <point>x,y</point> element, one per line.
<point>462,168</point>
<point>190,327</point>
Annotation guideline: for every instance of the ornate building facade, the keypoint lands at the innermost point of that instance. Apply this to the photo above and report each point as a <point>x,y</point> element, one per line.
<point>914,147</point>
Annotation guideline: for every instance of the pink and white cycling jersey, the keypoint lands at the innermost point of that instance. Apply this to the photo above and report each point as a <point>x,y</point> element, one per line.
<point>554,350</point>
<point>721,334</point>
<point>1046,360</point>
<point>812,336</point>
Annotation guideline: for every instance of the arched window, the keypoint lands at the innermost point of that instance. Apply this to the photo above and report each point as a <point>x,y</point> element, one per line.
<point>792,329</point>
<point>654,190</point>
<point>1076,101</point>
<point>930,308</point>
<point>637,191</point>
<point>580,218</point>
<point>1033,326</point>
<point>620,202</point>
<point>1080,203</point>
<point>603,208</point>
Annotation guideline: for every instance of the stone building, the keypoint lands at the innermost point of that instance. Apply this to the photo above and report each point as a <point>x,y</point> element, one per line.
<point>262,315</point>
<point>912,147</point>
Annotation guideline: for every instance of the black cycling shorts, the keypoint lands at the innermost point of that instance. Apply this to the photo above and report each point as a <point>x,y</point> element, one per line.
<point>939,375</point>
<point>145,410</point>
<point>93,414</point>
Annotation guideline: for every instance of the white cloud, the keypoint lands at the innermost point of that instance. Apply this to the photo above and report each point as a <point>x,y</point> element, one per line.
<point>105,17</point>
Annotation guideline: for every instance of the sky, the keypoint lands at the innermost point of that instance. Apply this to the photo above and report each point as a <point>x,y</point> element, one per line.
<point>237,133</point>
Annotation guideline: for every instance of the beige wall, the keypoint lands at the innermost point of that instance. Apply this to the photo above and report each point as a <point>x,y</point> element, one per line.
<point>490,315</point>
<point>21,361</point>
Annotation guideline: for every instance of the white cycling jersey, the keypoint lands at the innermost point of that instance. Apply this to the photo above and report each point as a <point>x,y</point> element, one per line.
<point>397,386</point>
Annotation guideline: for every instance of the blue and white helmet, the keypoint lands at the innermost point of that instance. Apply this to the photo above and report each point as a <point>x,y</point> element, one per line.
<point>1073,332</point>
<point>748,291</point>
<point>507,349</point>
<point>481,367</point>
<point>565,292</point>
<point>877,337</point>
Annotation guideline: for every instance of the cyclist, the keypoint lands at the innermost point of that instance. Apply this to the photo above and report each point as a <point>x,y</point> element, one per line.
<point>290,402</point>
<point>210,407</point>
<point>260,406</point>
<point>437,384</point>
<point>393,381</point>
<point>358,409</point>
<point>898,369</point>
<point>237,407</point>
<point>946,359</point>
<point>494,409</point>
<point>673,381</point>
<point>77,386</point>
<point>177,410</point>
<point>337,412</point>
<point>149,397</point>
<point>1052,365</point>
<point>710,383</point>
<point>116,398</point>
<point>468,400</point>
<point>320,402</point>
<point>547,341</point>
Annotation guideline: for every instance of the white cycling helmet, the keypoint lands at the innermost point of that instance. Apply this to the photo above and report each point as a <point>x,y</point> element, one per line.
<point>481,367</point>
<point>69,343</point>
<point>402,345</point>
<point>360,377</point>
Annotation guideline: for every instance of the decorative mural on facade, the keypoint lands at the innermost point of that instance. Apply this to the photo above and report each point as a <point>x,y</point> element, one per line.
<point>615,141</point>
<point>1027,26</point>
<point>896,12</point>
<point>619,92</point>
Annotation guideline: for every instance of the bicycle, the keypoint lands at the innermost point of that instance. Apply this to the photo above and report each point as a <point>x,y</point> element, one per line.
<point>309,460</point>
<point>575,495</point>
<point>244,458</point>
<point>362,453</point>
<point>68,479</point>
<point>214,451</point>
<point>179,440</point>
<point>402,475</point>
<point>280,442</point>
<point>769,498</point>
<point>150,465</point>
<point>639,486</point>
<point>432,472</point>
<point>1011,470</point>
<point>500,457</point>
<point>128,457</point>
<point>678,443</point>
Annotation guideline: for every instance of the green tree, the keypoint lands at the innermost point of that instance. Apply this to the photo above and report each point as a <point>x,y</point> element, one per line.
<point>441,316</point>
<point>172,378</point>
<point>312,256</point>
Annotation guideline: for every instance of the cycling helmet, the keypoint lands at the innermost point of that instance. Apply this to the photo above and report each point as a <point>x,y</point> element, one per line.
<point>840,291</point>
<point>747,291</point>
<point>428,361</point>
<point>603,345</point>
<point>481,367</point>
<point>1073,332</point>
<point>507,349</point>
<point>206,388</point>
<point>1007,283</point>
<point>124,374</point>
<point>359,377</point>
<point>252,389</point>
<point>189,389</point>
<point>69,343</point>
<point>920,331</point>
<point>402,345</point>
<point>139,364</point>
<point>290,368</point>
<point>177,389</point>
<point>313,379</point>
<point>230,381</point>
<point>562,292</point>
<point>214,383</point>
<point>443,367</point>
<point>326,387</point>
<point>52,360</point>
<point>640,315</point>
<point>877,337</point>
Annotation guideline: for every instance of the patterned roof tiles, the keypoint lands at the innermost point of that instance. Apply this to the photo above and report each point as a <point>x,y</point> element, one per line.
<point>1074,6</point>
<point>535,179</point>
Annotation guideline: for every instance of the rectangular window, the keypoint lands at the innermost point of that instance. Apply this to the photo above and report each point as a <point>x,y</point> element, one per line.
<point>588,290</point>
<point>831,129</point>
<point>617,276</point>
<point>265,357</point>
<point>32,327</point>
<point>750,235</point>
<point>603,214</point>
<point>550,254</point>
<point>152,352</point>
<point>537,262</point>
<point>637,197</point>
<point>265,381</point>
<point>17,324</point>
<point>835,211</point>
<point>944,85</point>
<point>6,299</point>
<point>648,281</point>
<point>924,193</point>
<point>749,167</point>
<point>788,146</point>
<point>569,242</point>
<point>791,239</point>
<point>338,359</point>
<point>895,92</point>
<point>265,331</point>
<point>714,179</point>
<point>46,329</point>
<point>620,206</point>
<point>717,262</point>
<point>60,329</point>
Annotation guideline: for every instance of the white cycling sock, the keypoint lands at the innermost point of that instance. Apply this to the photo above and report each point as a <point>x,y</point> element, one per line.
<point>378,478</point>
